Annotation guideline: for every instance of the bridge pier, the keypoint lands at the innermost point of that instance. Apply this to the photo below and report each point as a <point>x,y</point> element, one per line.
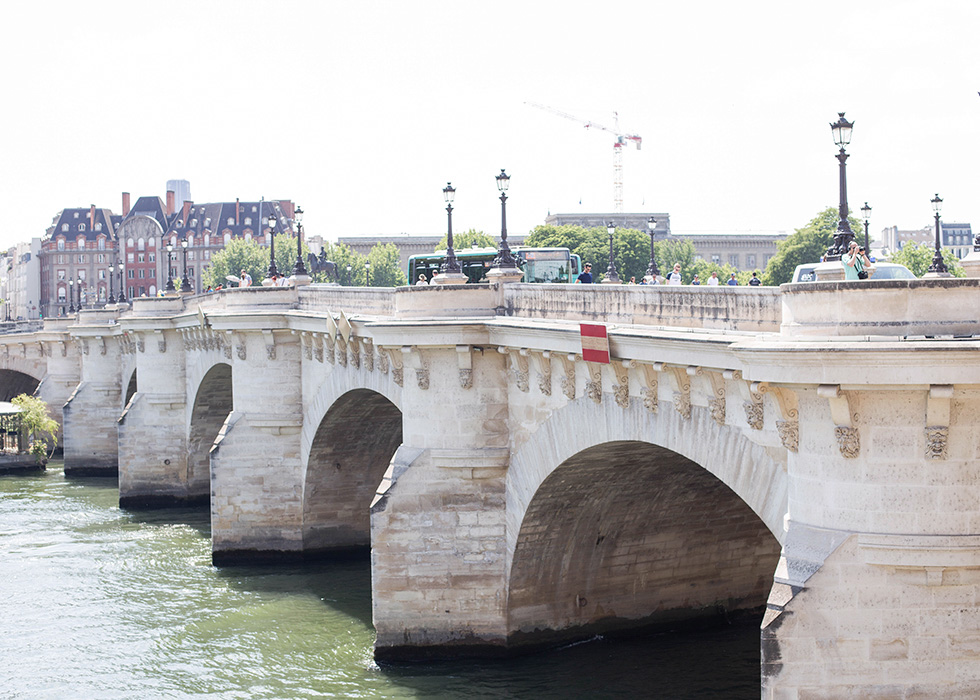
<point>438,531</point>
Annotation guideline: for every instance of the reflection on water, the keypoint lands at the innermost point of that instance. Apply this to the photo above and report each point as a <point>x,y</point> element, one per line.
<point>101,603</point>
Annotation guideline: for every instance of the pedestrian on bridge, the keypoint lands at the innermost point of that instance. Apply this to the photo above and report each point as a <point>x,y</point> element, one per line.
<point>586,276</point>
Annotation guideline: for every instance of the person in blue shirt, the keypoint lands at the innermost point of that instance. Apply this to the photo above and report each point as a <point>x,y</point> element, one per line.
<point>585,277</point>
<point>732,282</point>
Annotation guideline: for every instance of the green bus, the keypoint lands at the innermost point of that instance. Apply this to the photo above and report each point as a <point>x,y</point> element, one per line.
<point>540,265</point>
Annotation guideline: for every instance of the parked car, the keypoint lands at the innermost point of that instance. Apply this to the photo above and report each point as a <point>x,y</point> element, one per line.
<point>881,271</point>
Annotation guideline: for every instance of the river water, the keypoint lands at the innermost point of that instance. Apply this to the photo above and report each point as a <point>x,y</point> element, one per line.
<point>96,602</point>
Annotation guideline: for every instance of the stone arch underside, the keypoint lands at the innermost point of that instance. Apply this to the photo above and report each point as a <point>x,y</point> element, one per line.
<point>629,534</point>
<point>14,383</point>
<point>349,454</point>
<point>131,389</point>
<point>212,404</point>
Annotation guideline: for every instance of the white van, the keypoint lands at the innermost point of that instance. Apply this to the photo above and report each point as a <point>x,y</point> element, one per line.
<point>879,271</point>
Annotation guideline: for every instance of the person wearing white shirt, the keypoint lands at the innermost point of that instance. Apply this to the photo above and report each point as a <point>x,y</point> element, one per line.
<point>713,280</point>
<point>674,277</point>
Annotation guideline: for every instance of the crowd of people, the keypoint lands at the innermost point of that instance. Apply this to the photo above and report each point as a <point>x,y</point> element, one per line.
<point>673,278</point>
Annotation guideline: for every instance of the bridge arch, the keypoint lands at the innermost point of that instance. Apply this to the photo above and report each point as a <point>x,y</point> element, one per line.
<point>15,382</point>
<point>355,430</point>
<point>628,518</point>
<point>213,401</point>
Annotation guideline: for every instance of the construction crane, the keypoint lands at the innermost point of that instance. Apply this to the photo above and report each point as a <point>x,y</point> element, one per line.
<point>618,145</point>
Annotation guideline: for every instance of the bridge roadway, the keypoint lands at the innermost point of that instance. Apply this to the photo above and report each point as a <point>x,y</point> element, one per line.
<point>810,451</point>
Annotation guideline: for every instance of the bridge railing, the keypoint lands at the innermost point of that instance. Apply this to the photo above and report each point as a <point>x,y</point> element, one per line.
<point>725,308</point>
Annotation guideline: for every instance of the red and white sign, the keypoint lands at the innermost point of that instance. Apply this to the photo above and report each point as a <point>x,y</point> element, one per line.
<point>595,343</point>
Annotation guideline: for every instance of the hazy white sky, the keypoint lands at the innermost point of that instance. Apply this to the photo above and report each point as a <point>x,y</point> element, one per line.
<point>362,111</point>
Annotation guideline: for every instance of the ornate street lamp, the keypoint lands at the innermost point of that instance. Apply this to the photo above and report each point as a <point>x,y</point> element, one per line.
<point>611,276</point>
<point>504,259</point>
<point>71,296</point>
<point>350,279</point>
<point>652,269</point>
<point>122,291</point>
<point>452,264</point>
<point>273,270</point>
<point>866,211</point>
<point>842,239</point>
<point>299,269</point>
<point>112,297</point>
<point>170,269</point>
<point>367,274</point>
<point>938,266</point>
<point>185,284</point>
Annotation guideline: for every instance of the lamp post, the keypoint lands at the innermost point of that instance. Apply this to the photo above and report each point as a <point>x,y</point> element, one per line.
<point>452,264</point>
<point>122,290</point>
<point>273,270</point>
<point>611,276</point>
<point>842,239</point>
<point>112,297</point>
<point>652,269</point>
<point>170,270</point>
<point>349,277</point>
<point>299,269</point>
<point>938,267</point>
<point>185,284</point>
<point>367,273</point>
<point>504,259</point>
<point>71,296</point>
<point>866,211</point>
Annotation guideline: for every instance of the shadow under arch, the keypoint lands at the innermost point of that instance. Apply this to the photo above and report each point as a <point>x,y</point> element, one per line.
<point>348,457</point>
<point>131,389</point>
<point>628,534</point>
<point>14,383</point>
<point>212,404</point>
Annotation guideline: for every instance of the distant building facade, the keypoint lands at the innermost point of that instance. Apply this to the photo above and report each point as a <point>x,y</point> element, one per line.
<point>23,281</point>
<point>741,250</point>
<point>74,259</point>
<point>957,237</point>
<point>635,221</point>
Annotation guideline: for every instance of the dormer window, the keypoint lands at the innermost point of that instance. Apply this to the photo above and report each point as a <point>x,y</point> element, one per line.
<point>61,242</point>
<point>231,221</point>
<point>64,227</point>
<point>80,242</point>
<point>81,227</point>
<point>254,209</point>
<point>98,227</point>
<point>76,214</point>
<point>207,221</point>
<point>193,223</point>
<point>248,220</point>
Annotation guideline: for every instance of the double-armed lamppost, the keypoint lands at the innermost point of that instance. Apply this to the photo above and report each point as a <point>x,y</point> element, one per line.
<point>452,264</point>
<point>299,269</point>
<point>866,211</point>
<point>71,296</point>
<point>170,269</point>
<point>504,260</point>
<point>842,239</point>
<point>611,276</point>
<point>273,270</point>
<point>652,269</point>
<point>938,266</point>
<point>185,284</point>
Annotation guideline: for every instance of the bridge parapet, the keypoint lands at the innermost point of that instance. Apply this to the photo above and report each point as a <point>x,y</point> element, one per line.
<point>921,307</point>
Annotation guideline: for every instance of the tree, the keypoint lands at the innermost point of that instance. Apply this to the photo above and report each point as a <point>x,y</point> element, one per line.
<point>346,257</point>
<point>237,255</point>
<point>631,248</point>
<point>805,245</point>
<point>468,239</point>
<point>917,257</point>
<point>37,423</point>
<point>386,269</point>
<point>672,251</point>
<point>285,255</point>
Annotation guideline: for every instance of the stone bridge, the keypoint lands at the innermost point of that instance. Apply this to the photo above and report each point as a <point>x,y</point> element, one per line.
<point>808,454</point>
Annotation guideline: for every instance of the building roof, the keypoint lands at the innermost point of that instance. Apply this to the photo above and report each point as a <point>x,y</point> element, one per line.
<point>102,223</point>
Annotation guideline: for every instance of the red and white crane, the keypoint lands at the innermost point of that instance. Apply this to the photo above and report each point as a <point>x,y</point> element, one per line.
<point>622,139</point>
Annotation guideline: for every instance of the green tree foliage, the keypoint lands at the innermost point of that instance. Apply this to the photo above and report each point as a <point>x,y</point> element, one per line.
<point>468,239</point>
<point>917,257</point>
<point>631,248</point>
<point>386,269</point>
<point>350,265</point>
<point>237,255</point>
<point>38,424</point>
<point>672,251</point>
<point>285,255</point>
<point>703,269</point>
<point>805,245</point>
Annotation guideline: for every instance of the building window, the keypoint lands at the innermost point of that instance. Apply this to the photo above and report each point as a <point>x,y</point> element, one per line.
<point>61,275</point>
<point>140,244</point>
<point>142,273</point>
<point>131,291</point>
<point>98,227</point>
<point>750,261</point>
<point>61,243</point>
<point>153,256</point>
<point>129,258</point>
<point>227,238</point>
<point>190,255</point>
<point>153,273</point>
<point>733,260</point>
<point>231,221</point>
<point>64,227</point>
<point>61,295</point>
<point>248,220</point>
<point>101,243</point>
<point>81,259</point>
<point>207,240</point>
<point>153,290</point>
<point>207,254</point>
<point>102,258</point>
<point>61,259</point>
<point>716,259</point>
<point>141,257</point>
<point>130,274</point>
<point>101,274</point>
<point>81,274</point>
<point>81,227</point>
<point>80,242</point>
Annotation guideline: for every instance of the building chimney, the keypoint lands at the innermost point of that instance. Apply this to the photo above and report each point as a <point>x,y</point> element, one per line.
<point>125,204</point>
<point>186,211</point>
<point>91,217</point>
<point>238,213</point>
<point>170,202</point>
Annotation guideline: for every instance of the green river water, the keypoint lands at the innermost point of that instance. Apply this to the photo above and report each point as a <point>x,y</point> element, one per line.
<point>100,603</point>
